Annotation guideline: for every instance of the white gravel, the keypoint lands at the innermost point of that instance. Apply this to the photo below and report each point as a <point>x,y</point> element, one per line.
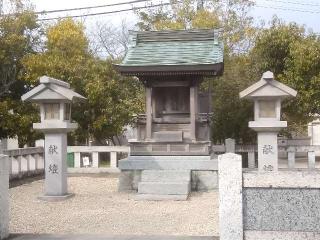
<point>98,208</point>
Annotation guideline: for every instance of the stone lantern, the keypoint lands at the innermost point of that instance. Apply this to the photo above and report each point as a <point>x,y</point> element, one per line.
<point>267,95</point>
<point>54,98</point>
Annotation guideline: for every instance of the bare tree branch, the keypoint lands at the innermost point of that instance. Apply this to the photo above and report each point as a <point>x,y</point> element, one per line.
<point>110,40</point>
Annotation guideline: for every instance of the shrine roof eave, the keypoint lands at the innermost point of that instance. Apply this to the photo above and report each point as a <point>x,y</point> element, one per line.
<point>161,70</point>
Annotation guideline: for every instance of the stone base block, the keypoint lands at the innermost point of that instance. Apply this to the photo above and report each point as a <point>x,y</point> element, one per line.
<point>204,171</point>
<point>204,180</point>
<point>56,198</point>
<point>168,163</point>
<point>200,180</point>
<point>156,197</point>
<point>128,180</point>
<point>165,175</point>
<point>164,188</point>
<point>283,235</point>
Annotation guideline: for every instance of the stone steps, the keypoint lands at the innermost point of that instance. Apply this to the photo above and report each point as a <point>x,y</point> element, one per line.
<point>167,176</point>
<point>160,185</point>
<point>170,158</point>
<point>158,197</point>
<point>168,188</point>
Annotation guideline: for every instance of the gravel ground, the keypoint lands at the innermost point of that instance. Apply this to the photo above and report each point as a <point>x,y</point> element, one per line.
<point>98,208</point>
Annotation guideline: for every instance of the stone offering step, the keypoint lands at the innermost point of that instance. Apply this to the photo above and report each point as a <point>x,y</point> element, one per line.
<point>170,158</point>
<point>164,188</point>
<point>165,176</point>
<point>158,197</point>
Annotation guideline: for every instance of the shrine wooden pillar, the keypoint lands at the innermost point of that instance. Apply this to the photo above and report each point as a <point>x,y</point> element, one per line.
<point>148,113</point>
<point>193,110</point>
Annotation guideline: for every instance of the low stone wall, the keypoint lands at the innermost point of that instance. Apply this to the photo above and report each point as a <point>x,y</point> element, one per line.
<point>25,162</point>
<point>286,201</point>
<point>4,197</point>
<point>268,205</point>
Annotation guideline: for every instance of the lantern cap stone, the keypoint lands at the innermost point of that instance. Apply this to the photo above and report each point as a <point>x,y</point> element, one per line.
<point>48,80</point>
<point>267,87</point>
<point>268,75</point>
<point>51,89</point>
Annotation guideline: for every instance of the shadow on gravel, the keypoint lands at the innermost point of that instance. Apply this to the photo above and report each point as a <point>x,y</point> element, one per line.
<point>20,181</point>
<point>25,180</point>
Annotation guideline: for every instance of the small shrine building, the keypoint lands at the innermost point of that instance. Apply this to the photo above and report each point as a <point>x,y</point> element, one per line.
<point>172,65</point>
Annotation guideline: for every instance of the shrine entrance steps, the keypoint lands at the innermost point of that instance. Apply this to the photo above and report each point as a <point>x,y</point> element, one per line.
<point>157,185</point>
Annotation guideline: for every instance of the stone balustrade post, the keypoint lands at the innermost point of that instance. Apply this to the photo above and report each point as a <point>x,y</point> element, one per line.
<point>36,161</point>
<point>230,145</point>
<point>95,159</point>
<point>230,197</point>
<point>77,159</point>
<point>4,197</point>
<point>19,159</point>
<point>311,160</point>
<point>11,159</point>
<point>251,160</point>
<point>291,157</point>
<point>113,160</point>
<point>28,159</point>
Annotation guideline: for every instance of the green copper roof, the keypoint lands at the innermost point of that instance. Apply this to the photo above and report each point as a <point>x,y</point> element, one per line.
<point>173,51</point>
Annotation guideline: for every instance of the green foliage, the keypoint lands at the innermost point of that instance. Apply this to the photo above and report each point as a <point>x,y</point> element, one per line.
<point>273,46</point>
<point>18,36</point>
<point>286,49</point>
<point>232,17</point>
<point>294,56</point>
<point>112,99</point>
<point>66,56</point>
<point>231,115</point>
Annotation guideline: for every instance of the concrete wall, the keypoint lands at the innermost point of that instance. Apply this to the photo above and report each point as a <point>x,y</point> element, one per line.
<point>274,205</point>
<point>4,196</point>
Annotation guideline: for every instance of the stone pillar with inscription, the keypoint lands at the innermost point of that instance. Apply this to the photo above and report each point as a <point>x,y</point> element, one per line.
<point>267,95</point>
<point>55,98</point>
<point>56,164</point>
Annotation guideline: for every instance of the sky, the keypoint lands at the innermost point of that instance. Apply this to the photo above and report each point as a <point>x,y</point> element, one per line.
<point>302,12</point>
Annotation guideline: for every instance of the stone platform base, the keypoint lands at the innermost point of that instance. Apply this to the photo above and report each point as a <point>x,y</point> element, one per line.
<point>204,170</point>
<point>56,198</point>
<point>154,197</point>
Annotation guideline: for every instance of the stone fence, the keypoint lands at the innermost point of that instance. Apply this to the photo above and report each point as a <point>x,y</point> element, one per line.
<point>4,196</point>
<point>30,161</point>
<point>288,154</point>
<point>25,161</point>
<point>284,204</point>
<point>94,152</point>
